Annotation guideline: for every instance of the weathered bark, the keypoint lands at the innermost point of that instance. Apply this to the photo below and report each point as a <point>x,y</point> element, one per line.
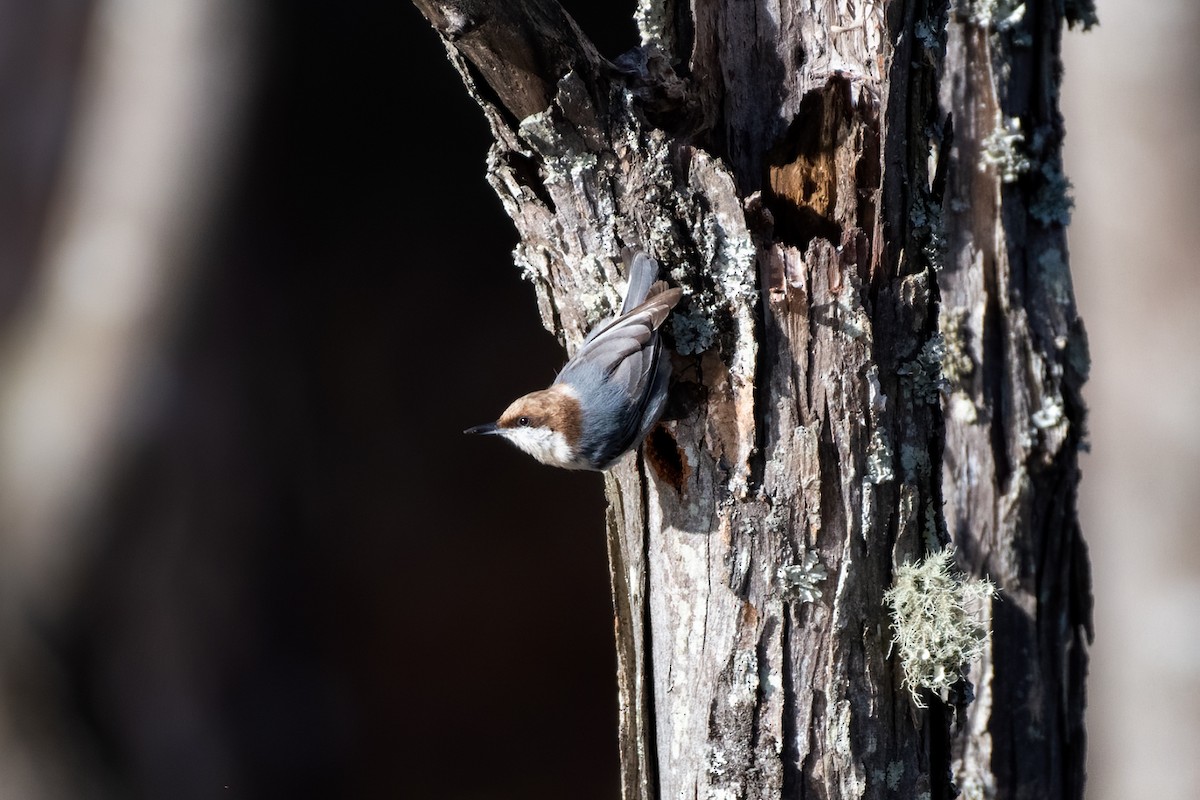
<point>777,160</point>
<point>1014,421</point>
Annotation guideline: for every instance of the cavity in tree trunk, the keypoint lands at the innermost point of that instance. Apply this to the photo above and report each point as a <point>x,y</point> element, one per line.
<point>878,358</point>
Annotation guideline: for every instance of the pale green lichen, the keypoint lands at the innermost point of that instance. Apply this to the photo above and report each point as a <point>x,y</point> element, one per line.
<point>799,581</point>
<point>1052,203</point>
<point>1050,414</point>
<point>602,303</point>
<point>998,15</point>
<point>971,787</point>
<point>957,364</point>
<point>713,257</point>
<point>694,332</point>
<point>914,461</point>
<point>879,459</point>
<point>565,159</point>
<point>937,627</point>
<point>1004,149</point>
<point>521,259</point>
<point>925,371</point>
<point>928,36</point>
<point>928,229</point>
<point>1055,275</point>
<point>726,247</point>
<point>852,320</point>
<point>653,23</point>
<point>931,528</point>
<point>595,306</point>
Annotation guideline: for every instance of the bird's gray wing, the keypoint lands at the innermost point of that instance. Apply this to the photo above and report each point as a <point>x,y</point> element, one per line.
<point>626,356</point>
<point>621,347</point>
<point>656,397</point>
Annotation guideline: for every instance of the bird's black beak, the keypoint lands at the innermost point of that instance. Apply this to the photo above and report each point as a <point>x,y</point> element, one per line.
<point>485,430</point>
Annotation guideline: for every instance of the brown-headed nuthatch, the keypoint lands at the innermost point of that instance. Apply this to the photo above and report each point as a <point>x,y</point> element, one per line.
<point>610,393</point>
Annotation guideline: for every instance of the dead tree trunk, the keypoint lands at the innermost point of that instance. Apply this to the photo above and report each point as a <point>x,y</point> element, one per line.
<point>878,356</point>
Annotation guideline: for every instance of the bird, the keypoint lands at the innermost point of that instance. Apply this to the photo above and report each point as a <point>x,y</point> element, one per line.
<point>610,394</point>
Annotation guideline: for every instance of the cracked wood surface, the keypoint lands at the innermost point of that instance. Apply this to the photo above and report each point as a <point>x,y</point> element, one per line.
<point>778,166</point>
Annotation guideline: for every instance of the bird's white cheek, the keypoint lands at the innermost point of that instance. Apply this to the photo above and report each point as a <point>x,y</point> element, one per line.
<point>547,446</point>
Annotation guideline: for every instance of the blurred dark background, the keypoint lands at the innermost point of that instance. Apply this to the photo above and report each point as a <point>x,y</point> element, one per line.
<point>253,285</point>
<point>362,602</point>
<point>302,579</point>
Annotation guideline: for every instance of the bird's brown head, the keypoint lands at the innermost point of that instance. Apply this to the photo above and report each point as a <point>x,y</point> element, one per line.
<point>547,424</point>
<point>550,408</point>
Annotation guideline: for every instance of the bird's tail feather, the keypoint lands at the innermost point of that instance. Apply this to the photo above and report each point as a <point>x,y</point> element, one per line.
<point>643,272</point>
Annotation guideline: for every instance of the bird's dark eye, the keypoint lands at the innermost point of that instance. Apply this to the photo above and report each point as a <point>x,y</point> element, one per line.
<point>523,422</point>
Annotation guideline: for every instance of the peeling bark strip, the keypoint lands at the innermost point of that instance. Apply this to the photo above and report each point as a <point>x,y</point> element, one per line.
<point>873,361</point>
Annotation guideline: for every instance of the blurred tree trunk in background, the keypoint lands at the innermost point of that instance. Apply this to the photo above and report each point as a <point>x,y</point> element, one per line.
<point>118,132</point>
<point>878,357</point>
